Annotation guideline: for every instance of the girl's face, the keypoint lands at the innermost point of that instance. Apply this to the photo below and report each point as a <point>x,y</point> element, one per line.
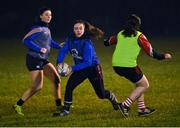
<point>79,29</point>
<point>46,16</point>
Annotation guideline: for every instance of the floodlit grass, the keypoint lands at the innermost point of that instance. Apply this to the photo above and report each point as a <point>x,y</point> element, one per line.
<point>88,110</point>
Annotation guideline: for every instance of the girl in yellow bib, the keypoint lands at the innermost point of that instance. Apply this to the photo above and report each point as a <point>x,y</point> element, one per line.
<point>129,42</point>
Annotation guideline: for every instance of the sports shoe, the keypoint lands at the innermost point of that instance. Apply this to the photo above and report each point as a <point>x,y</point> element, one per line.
<point>18,109</point>
<point>147,111</point>
<point>124,110</point>
<point>62,113</point>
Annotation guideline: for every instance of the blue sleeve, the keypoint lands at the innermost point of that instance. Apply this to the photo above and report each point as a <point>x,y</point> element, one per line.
<point>63,52</point>
<point>55,44</point>
<point>30,44</point>
<point>87,58</point>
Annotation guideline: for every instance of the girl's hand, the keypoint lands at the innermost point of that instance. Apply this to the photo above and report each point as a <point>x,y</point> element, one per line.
<point>168,56</point>
<point>43,50</point>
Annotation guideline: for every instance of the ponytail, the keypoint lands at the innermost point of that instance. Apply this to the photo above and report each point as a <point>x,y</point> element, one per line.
<point>95,31</point>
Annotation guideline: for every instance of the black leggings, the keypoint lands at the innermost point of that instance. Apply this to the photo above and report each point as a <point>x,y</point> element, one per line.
<point>94,74</point>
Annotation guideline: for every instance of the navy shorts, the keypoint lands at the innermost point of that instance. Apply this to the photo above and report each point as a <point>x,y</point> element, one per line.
<point>133,74</point>
<point>33,63</point>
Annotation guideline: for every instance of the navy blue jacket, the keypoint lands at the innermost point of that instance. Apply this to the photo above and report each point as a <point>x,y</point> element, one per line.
<point>82,51</point>
<point>38,40</point>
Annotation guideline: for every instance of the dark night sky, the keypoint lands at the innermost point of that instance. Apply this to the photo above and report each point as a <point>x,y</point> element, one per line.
<point>159,17</point>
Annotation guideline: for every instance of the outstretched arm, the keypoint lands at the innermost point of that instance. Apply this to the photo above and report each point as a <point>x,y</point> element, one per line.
<point>147,48</point>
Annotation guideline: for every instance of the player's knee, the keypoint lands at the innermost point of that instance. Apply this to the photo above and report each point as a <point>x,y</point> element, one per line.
<point>147,85</point>
<point>143,83</point>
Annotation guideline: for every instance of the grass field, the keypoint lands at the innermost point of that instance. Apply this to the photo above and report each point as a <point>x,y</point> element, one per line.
<point>163,94</point>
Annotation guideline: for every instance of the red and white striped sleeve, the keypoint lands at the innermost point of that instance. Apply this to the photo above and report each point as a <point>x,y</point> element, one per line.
<point>145,45</point>
<point>147,48</point>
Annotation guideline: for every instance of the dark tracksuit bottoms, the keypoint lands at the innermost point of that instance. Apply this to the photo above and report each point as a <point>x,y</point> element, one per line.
<point>94,75</point>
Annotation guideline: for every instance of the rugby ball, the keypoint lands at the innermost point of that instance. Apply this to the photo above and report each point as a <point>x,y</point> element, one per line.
<point>63,69</point>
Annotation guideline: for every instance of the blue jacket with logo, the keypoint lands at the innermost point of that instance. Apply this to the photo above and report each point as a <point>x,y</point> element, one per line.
<point>82,51</point>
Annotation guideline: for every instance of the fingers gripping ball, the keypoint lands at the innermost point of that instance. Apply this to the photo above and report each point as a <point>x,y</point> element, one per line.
<point>63,69</point>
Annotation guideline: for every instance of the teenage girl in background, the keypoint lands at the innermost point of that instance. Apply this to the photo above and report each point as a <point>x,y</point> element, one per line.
<point>39,43</point>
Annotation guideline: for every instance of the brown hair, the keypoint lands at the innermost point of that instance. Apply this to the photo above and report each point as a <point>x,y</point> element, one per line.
<point>133,24</point>
<point>91,29</point>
